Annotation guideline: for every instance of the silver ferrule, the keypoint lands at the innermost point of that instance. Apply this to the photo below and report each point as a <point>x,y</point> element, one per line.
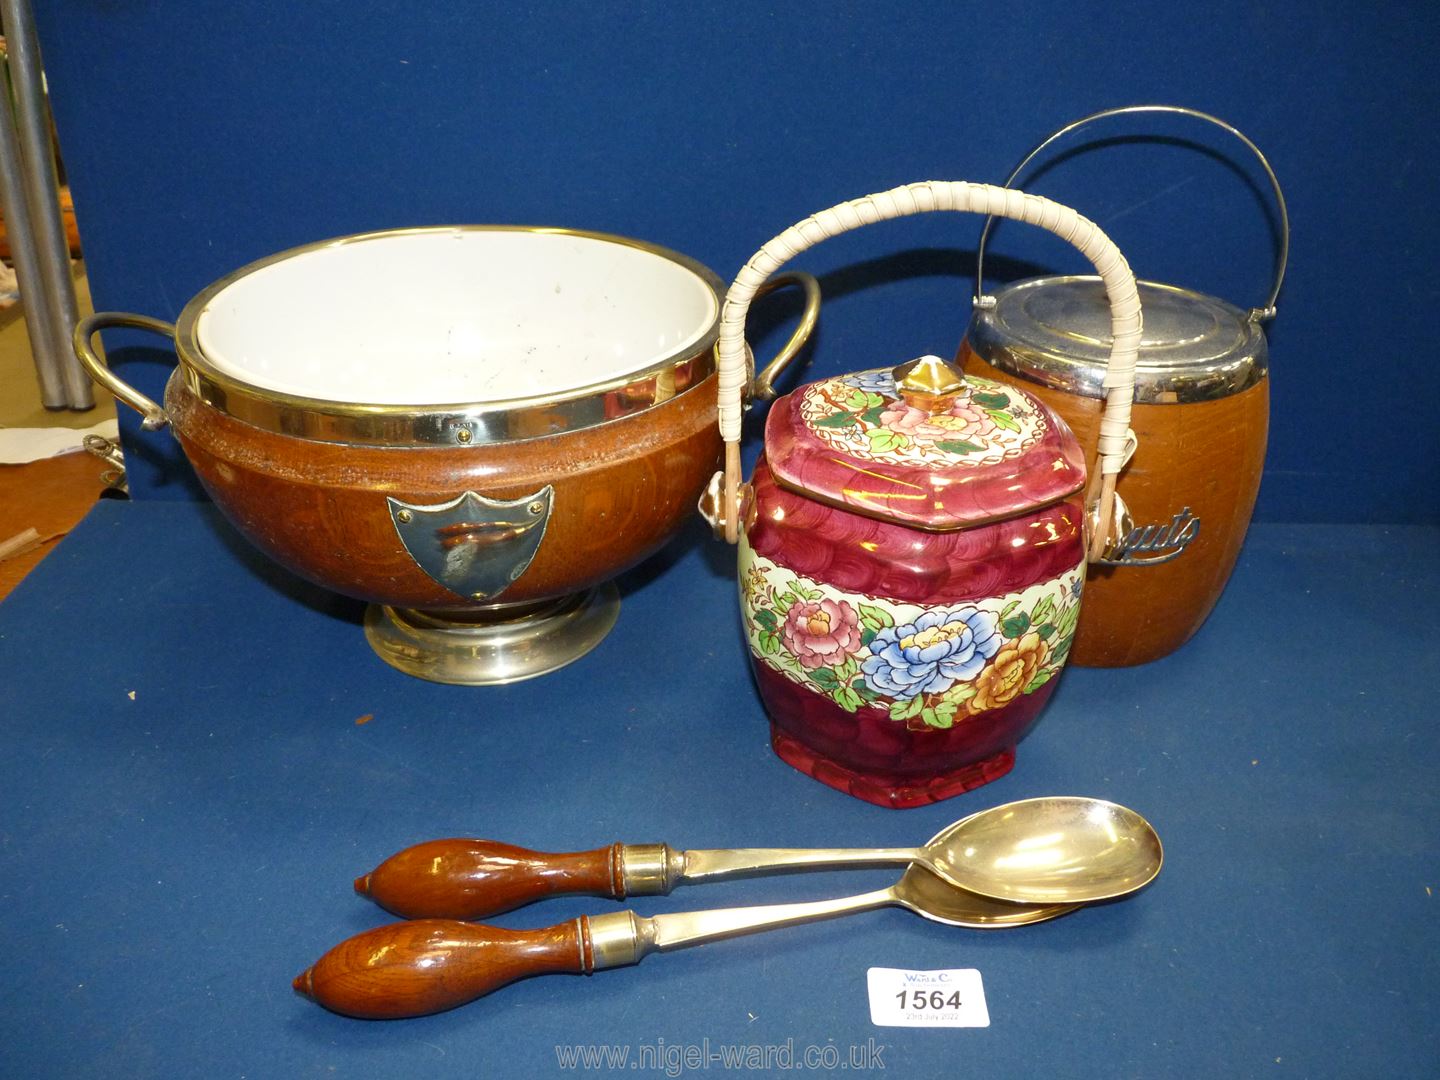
<point>619,939</point>
<point>650,869</point>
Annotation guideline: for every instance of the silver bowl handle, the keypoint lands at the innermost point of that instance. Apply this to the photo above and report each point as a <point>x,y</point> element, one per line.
<point>88,327</point>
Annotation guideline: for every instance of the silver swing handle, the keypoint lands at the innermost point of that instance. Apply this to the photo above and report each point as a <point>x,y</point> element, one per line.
<point>1259,314</point>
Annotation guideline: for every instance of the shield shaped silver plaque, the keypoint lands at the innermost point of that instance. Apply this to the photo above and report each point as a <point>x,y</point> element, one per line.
<point>474,546</point>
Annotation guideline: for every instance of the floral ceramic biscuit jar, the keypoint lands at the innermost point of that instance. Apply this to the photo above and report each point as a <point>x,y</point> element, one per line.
<point>913,543</point>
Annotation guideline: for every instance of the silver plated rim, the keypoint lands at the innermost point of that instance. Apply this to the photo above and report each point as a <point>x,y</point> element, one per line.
<point>445,424</point>
<point>1157,381</point>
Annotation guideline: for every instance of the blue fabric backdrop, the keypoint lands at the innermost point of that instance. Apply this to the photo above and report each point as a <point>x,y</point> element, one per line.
<point>170,860</point>
<point>201,135</point>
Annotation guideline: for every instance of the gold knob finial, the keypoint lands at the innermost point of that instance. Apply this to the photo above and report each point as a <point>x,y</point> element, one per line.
<point>928,377</point>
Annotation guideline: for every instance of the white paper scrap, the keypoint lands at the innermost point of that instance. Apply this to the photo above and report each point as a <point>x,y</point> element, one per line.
<point>20,445</point>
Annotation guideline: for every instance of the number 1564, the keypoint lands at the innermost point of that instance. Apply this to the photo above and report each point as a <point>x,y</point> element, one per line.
<point>934,1000</point>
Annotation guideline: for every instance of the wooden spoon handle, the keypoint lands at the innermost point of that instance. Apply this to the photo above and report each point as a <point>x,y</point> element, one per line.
<point>430,965</point>
<point>470,879</point>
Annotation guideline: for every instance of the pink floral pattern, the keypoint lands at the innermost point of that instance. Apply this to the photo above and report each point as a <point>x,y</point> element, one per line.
<point>962,419</point>
<point>821,633</point>
<point>864,417</point>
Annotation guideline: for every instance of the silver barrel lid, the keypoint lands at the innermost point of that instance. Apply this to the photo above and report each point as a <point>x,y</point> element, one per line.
<point>1055,331</point>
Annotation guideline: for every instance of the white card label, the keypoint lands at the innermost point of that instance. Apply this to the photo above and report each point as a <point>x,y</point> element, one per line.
<point>951,998</point>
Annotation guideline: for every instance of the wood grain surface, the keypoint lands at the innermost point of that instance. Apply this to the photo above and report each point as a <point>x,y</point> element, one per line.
<point>319,509</point>
<point>430,965</point>
<point>49,496</point>
<point>470,879</point>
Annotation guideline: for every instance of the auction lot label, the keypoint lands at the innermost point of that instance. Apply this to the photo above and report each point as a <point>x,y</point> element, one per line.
<point>951,998</point>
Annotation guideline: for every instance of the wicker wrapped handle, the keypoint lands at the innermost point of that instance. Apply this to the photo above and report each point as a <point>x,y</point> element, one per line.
<point>1116,439</point>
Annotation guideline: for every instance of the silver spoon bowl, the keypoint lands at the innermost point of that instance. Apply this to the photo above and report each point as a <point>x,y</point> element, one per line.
<point>1055,850</point>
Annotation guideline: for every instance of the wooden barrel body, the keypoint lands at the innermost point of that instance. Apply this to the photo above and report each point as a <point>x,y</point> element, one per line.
<point>1200,418</point>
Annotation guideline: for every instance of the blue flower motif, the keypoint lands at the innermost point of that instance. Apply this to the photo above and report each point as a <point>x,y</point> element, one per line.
<point>933,653</point>
<point>881,381</point>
